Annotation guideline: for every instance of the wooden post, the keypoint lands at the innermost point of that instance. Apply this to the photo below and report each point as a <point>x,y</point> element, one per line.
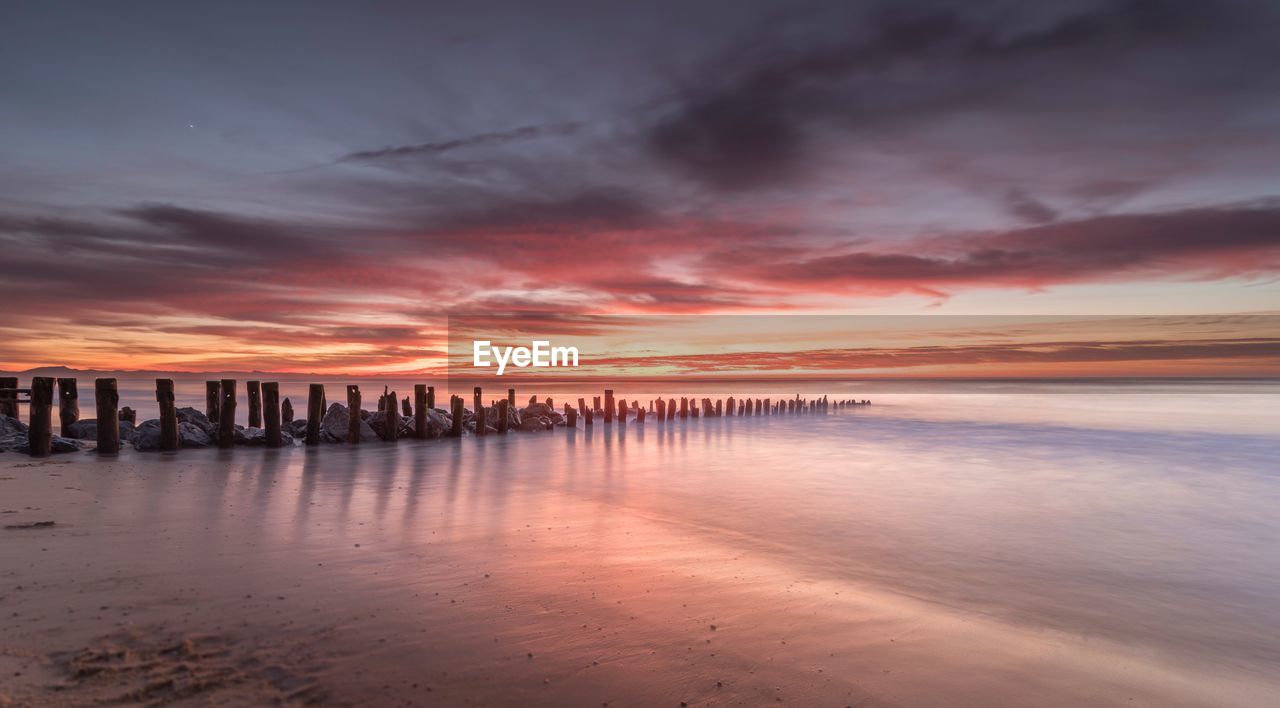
<point>393,418</point>
<point>480,421</point>
<point>622,411</point>
<point>168,414</point>
<point>271,413</point>
<point>420,411</point>
<point>253,390</point>
<point>684,408</point>
<point>570,416</point>
<point>286,412</point>
<point>227,414</point>
<point>406,409</point>
<point>662,409</point>
<point>511,397</point>
<point>40,417</point>
<point>68,404</point>
<point>504,410</point>
<point>671,409</point>
<point>108,401</point>
<point>719,407</point>
<point>608,405</point>
<point>315,411</point>
<point>476,401</point>
<point>640,414</point>
<point>728,407</point>
<point>582,407</point>
<point>589,418</point>
<point>212,398</point>
<point>129,414</point>
<point>9,396</point>
<point>353,414</point>
<point>456,406</point>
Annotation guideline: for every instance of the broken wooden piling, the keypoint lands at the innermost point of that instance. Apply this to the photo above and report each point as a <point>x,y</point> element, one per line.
<point>9,396</point>
<point>271,413</point>
<point>504,410</point>
<point>253,391</point>
<point>40,420</point>
<point>608,405</point>
<point>455,406</point>
<point>420,411</point>
<point>315,413</point>
<point>68,404</point>
<point>227,413</point>
<point>353,414</point>
<point>168,415</point>
<point>212,399</point>
<point>107,399</point>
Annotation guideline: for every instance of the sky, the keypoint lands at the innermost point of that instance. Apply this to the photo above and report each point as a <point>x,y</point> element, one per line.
<point>316,186</point>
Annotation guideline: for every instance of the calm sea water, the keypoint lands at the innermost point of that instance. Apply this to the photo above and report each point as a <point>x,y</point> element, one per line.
<point>1144,515</point>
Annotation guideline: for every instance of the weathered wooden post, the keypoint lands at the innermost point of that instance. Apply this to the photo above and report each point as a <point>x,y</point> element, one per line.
<point>595,403</point>
<point>129,414</point>
<point>168,414</point>
<point>315,411</point>
<point>480,421</point>
<point>68,404</point>
<point>40,417</point>
<point>227,414</point>
<point>589,418</point>
<point>662,410</point>
<point>271,413</point>
<point>107,399</point>
<point>476,400</point>
<point>420,411</point>
<point>456,406</point>
<point>570,416</point>
<point>286,412</point>
<point>684,408</point>
<point>504,411</point>
<point>608,405</point>
<point>719,408</point>
<point>431,397</point>
<point>353,414</point>
<point>582,407</point>
<point>511,397</point>
<point>212,397</point>
<point>9,396</point>
<point>728,406</point>
<point>406,409</point>
<point>393,418</point>
<point>640,413</point>
<point>671,409</point>
<point>253,391</point>
<point>622,411</point>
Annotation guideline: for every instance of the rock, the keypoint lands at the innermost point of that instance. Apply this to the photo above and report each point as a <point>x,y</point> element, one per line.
<point>13,433</point>
<point>146,436</point>
<point>378,423</point>
<point>253,437</point>
<point>61,444</point>
<point>533,423</point>
<point>195,418</point>
<point>535,408</point>
<point>87,429</point>
<point>297,429</point>
<point>192,435</point>
<point>336,424</point>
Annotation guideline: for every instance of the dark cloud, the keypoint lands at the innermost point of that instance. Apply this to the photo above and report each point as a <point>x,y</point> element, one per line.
<point>750,117</point>
<point>491,139</point>
<point>1027,208</point>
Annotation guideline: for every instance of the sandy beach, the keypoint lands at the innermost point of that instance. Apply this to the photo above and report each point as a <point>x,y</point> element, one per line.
<point>636,567</point>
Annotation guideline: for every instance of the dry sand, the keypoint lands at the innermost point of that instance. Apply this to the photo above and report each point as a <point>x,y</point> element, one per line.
<point>427,574</point>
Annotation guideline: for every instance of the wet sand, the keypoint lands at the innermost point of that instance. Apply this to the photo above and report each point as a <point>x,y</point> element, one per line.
<point>545,570</point>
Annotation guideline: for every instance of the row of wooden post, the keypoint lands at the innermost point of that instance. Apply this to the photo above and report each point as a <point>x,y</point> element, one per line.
<point>268,412</point>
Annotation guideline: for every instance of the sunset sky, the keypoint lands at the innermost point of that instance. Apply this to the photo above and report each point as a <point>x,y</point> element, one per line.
<point>315,186</point>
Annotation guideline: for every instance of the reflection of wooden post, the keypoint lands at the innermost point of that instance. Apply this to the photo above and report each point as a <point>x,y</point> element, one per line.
<point>227,414</point>
<point>286,412</point>
<point>168,414</point>
<point>68,404</point>
<point>608,405</point>
<point>9,396</point>
<point>420,411</point>
<point>455,402</point>
<point>271,413</point>
<point>504,410</point>
<point>108,401</point>
<point>253,391</point>
<point>40,417</point>
<point>511,397</point>
<point>315,411</point>
<point>212,399</point>
<point>353,414</point>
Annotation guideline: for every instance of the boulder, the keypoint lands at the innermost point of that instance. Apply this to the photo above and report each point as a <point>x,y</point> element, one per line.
<point>197,419</point>
<point>87,429</point>
<point>336,424</point>
<point>192,435</point>
<point>378,423</point>
<point>253,437</point>
<point>297,429</point>
<point>533,423</point>
<point>146,436</point>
